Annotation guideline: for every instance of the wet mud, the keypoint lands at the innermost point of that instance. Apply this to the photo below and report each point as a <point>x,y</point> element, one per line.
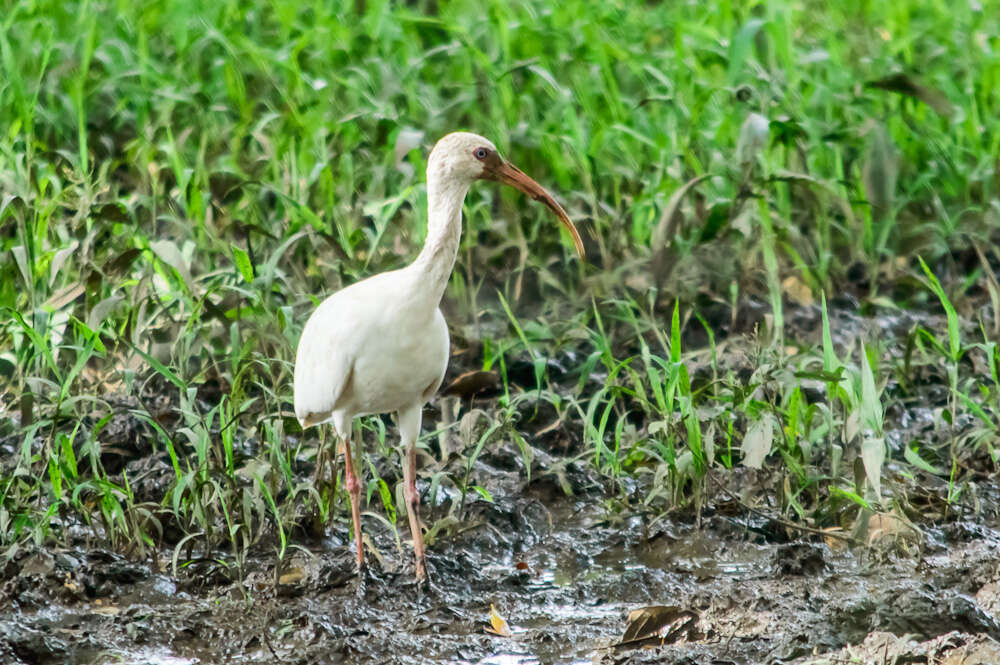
<point>563,576</point>
<point>574,574</point>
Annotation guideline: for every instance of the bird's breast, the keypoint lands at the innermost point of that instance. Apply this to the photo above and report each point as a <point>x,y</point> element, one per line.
<point>401,363</point>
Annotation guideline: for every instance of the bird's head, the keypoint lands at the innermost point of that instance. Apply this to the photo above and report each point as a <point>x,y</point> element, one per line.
<point>470,157</point>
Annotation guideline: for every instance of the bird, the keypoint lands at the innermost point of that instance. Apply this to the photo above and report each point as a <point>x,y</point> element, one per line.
<point>381,345</point>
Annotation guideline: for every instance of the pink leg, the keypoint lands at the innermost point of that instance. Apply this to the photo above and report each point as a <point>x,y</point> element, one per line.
<point>354,489</point>
<point>413,510</point>
<point>409,429</point>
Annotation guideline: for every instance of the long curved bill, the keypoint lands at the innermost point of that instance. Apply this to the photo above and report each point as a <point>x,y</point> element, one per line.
<point>508,174</point>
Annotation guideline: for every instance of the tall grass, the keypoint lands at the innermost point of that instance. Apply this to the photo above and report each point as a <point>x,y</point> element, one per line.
<point>182,182</point>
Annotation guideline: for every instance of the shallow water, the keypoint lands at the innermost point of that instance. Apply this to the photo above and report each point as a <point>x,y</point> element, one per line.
<point>566,605</point>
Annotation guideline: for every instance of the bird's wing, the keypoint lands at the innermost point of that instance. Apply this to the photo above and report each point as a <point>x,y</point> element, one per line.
<point>441,327</point>
<point>325,359</point>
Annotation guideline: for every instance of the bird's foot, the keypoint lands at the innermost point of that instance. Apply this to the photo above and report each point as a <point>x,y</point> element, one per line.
<point>426,589</point>
<point>370,582</point>
<point>425,585</point>
<point>361,581</point>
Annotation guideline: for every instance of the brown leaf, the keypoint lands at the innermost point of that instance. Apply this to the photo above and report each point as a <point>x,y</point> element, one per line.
<point>112,212</point>
<point>473,383</point>
<point>884,527</point>
<point>27,409</point>
<point>241,229</point>
<point>123,261</point>
<point>107,610</point>
<point>835,542</point>
<point>980,651</point>
<point>658,622</point>
<point>293,576</point>
<point>498,625</point>
<point>553,426</point>
<point>798,291</point>
<point>819,186</point>
<point>907,85</point>
<point>64,296</point>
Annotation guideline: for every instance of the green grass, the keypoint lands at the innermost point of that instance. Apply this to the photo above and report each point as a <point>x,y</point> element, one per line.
<point>181,183</point>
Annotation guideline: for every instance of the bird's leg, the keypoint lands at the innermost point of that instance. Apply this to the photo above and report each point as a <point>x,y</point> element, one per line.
<point>413,510</point>
<point>409,429</point>
<point>333,478</point>
<point>354,489</point>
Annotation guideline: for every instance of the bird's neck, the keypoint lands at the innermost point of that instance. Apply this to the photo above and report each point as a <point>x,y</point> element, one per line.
<point>444,231</point>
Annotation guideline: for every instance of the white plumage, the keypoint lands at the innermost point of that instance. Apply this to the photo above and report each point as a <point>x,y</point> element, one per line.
<point>356,353</point>
<point>381,345</point>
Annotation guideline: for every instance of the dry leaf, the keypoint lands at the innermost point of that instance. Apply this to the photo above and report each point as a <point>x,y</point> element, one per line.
<point>498,625</point>
<point>225,186</point>
<point>471,384</point>
<point>906,85</point>
<point>293,576</point>
<point>657,622</point>
<point>168,252</point>
<point>852,426</point>
<point>798,291</point>
<point>872,456</point>
<point>833,542</point>
<point>981,651</point>
<point>887,526</point>
<point>757,442</point>
<point>64,296</point>
<point>107,610</point>
<point>21,256</point>
<point>553,426</point>
<point>101,310</point>
<point>988,598</point>
<point>58,259</point>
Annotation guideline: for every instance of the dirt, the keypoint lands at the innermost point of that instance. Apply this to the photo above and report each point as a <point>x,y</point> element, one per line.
<point>566,571</point>
<point>562,574</point>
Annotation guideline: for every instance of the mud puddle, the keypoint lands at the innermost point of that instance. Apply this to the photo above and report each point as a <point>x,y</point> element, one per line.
<point>565,572</point>
<point>562,574</point>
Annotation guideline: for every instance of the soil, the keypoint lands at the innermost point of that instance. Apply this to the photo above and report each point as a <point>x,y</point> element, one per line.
<point>578,577</point>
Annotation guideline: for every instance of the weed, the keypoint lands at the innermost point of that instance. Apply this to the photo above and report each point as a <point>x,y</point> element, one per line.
<point>178,190</point>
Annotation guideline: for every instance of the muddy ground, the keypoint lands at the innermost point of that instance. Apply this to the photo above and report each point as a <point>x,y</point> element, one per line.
<point>731,585</point>
<point>563,577</point>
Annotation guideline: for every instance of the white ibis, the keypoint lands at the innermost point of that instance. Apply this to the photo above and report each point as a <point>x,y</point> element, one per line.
<point>381,345</point>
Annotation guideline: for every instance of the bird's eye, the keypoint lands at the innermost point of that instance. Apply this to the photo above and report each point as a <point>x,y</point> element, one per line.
<point>481,153</point>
